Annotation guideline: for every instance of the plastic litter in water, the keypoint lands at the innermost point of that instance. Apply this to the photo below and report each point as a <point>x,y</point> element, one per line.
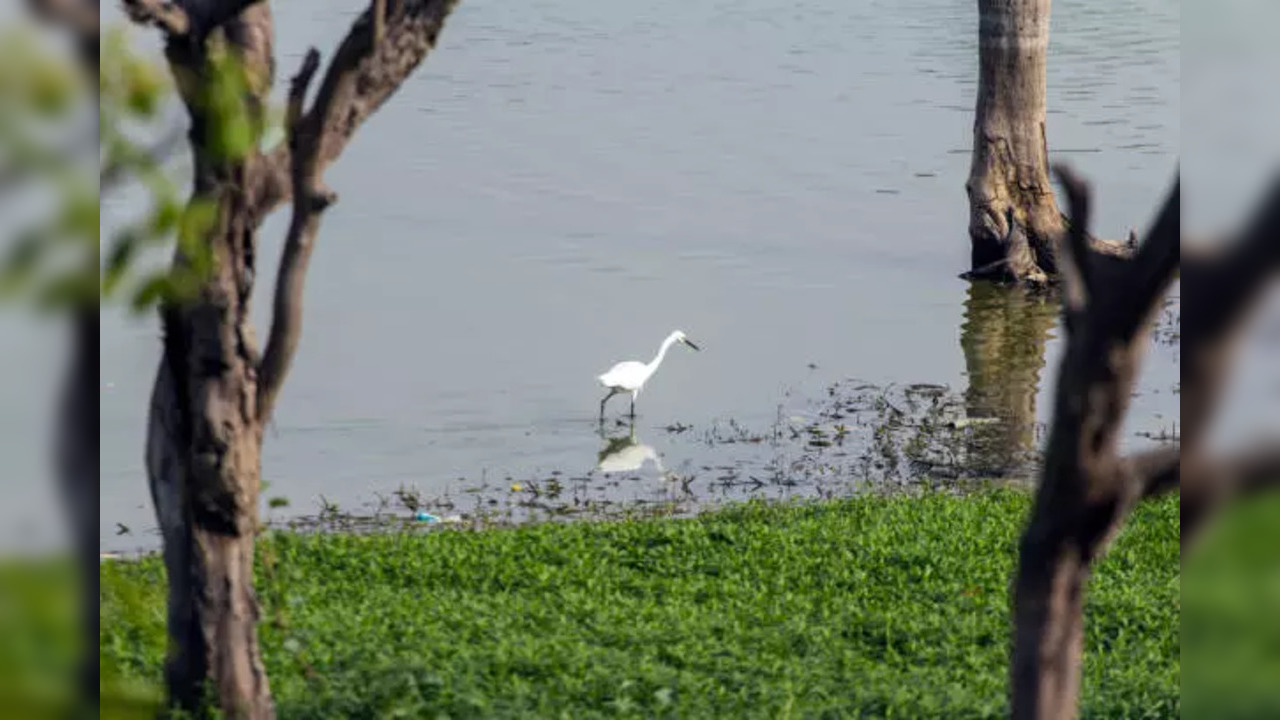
<point>427,517</point>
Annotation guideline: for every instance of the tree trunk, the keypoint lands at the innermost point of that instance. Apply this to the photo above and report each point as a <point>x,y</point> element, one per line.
<point>204,436</point>
<point>214,392</point>
<point>203,462</point>
<point>1013,218</point>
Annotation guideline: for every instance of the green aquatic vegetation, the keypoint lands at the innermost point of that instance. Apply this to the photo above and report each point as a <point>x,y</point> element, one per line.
<point>1230,628</point>
<point>876,606</point>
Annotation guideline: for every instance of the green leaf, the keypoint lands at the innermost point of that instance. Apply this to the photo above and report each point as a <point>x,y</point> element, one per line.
<point>143,87</point>
<point>165,217</point>
<point>81,217</point>
<point>198,220</point>
<point>155,290</point>
<point>73,288</point>
<point>21,264</point>
<point>230,132</point>
<point>51,88</point>
<point>122,252</point>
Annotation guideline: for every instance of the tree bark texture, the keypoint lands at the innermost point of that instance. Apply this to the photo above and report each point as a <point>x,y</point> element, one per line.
<point>214,391</point>
<point>1013,216</point>
<point>205,434</point>
<point>1015,226</point>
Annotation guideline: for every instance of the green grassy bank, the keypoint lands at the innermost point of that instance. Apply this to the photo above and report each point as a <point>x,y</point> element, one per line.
<point>870,607</point>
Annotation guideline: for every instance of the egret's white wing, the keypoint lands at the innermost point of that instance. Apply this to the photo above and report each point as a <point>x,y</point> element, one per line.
<point>625,375</point>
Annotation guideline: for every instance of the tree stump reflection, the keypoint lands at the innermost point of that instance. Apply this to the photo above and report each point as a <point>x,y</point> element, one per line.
<point>1003,338</point>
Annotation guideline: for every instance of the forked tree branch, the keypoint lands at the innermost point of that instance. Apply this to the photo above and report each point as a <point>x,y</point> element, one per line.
<point>1086,489</point>
<point>298,92</point>
<point>1156,472</point>
<point>1077,269</point>
<point>1255,471</point>
<point>1221,284</point>
<point>361,76</point>
<point>1155,265</point>
<point>286,320</point>
<point>410,31</point>
<point>1213,484</point>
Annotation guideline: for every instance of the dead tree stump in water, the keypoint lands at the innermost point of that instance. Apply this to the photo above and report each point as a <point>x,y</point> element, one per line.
<point>1015,226</point>
<point>1013,217</point>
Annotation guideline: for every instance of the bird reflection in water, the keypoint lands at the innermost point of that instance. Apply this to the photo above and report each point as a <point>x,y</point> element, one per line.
<point>625,453</point>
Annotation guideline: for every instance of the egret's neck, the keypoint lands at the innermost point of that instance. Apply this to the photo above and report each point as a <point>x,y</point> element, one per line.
<point>662,352</point>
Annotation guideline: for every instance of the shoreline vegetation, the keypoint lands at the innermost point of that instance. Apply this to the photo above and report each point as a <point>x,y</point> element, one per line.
<point>829,438</point>
<point>881,605</point>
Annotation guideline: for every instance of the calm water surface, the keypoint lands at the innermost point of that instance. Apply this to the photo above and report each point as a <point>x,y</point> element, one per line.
<point>563,184</point>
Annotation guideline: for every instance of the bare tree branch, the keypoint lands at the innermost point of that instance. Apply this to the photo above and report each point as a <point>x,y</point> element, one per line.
<point>1220,284</point>
<point>1086,490</point>
<point>1156,261</point>
<point>1156,472</point>
<point>286,321</point>
<point>376,72</point>
<point>1255,471</point>
<point>1214,484</point>
<point>298,92</point>
<point>361,76</point>
<point>214,392</point>
<point>1077,270</point>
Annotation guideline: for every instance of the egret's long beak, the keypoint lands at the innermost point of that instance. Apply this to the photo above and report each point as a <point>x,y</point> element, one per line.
<point>690,344</point>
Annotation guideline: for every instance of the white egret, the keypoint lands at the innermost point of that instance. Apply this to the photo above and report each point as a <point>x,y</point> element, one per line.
<point>631,375</point>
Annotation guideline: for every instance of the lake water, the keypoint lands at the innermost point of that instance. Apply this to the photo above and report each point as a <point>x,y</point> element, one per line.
<point>562,184</point>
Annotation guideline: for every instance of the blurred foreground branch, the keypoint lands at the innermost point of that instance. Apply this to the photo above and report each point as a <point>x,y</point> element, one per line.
<point>1087,489</point>
<point>76,435</point>
<point>1222,284</point>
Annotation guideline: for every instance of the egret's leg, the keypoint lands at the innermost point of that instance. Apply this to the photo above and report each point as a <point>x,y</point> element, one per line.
<point>612,392</point>
<point>633,406</point>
